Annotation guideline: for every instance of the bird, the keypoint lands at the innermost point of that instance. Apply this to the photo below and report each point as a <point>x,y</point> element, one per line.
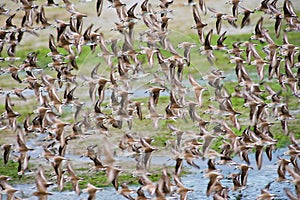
<point>43,19</point>
<point>198,89</point>
<point>187,50</point>
<point>164,23</point>
<point>281,169</point>
<point>91,190</point>
<point>207,49</point>
<point>130,14</point>
<point>236,181</point>
<point>7,149</point>
<point>231,20</point>
<point>203,6</point>
<point>120,9</point>
<point>21,141</point>
<point>154,93</point>
<point>99,7</point>
<point>217,15</point>
<point>214,183</point>
<point>141,195</point>
<point>265,193</point>
<point>289,194</point>
<point>145,7</point>
<point>258,155</point>
<point>53,49</point>
<point>14,71</point>
<point>258,32</point>
<point>187,155</point>
<point>288,10</point>
<point>126,191</point>
<point>113,175</point>
<point>147,151</point>
<point>10,191</point>
<point>3,10</point>
<point>246,18</point>
<point>56,163</point>
<point>190,3</point>
<point>235,5</point>
<point>295,176</point>
<point>51,3</point>
<point>181,189</point>
<point>244,173</point>
<point>278,20</point>
<point>150,52</point>
<point>165,4</point>
<point>42,185</point>
<point>8,23</point>
<point>220,45</point>
<point>199,25</point>
<point>147,184</point>
<point>74,178</point>
<point>214,78</point>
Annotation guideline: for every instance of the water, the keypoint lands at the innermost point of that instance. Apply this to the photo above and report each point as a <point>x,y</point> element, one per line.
<point>196,181</point>
<point>256,181</point>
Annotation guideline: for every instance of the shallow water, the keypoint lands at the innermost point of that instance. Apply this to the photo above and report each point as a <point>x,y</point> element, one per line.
<point>257,180</point>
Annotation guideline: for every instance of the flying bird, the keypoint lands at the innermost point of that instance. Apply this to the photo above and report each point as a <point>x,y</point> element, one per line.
<point>6,153</point>
<point>91,190</point>
<point>235,6</point>
<point>258,32</point>
<point>219,16</point>
<point>202,6</point>
<point>246,19</point>
<point>99,7</point>
<point>199,25</point>
<point>198,89</point>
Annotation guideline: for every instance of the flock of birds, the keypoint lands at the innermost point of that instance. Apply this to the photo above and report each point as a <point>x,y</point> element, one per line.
<point>216,118</point>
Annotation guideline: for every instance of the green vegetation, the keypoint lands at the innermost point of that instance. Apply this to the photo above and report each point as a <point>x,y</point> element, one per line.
<point>99,179</point>
<point>11,170</point>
